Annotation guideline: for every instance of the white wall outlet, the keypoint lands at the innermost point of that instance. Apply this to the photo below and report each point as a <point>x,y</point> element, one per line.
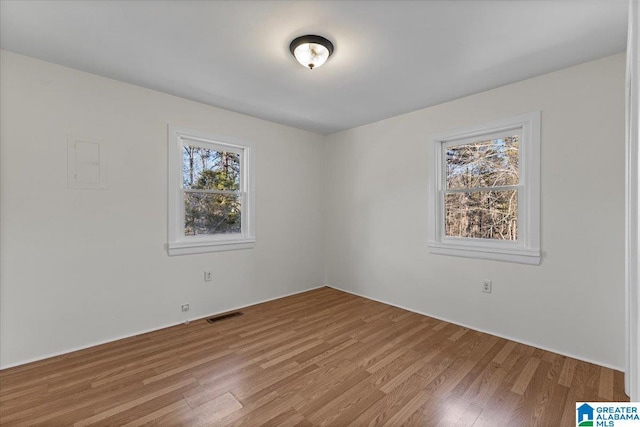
<point>486,286</point>
<point>207,276</point>
<point>185,308</point>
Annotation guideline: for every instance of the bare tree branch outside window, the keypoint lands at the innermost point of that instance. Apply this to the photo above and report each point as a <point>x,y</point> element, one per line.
<point>481,196</point>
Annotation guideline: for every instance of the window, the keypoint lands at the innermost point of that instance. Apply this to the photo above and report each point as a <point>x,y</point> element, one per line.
<point>484,192</point>
<point>211,193</point>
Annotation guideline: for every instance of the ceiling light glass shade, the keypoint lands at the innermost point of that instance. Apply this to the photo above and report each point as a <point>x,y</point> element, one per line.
<point>311,51</point>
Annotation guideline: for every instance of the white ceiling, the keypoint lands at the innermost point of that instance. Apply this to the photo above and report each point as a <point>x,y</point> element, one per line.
<point>390,57</point>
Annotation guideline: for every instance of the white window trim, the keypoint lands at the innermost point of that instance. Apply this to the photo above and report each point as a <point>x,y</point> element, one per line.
<point>527,248</point>
<point>178,243</point>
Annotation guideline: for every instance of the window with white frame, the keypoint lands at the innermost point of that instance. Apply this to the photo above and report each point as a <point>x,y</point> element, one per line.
<point>484,192</point>
<point>211,193</point>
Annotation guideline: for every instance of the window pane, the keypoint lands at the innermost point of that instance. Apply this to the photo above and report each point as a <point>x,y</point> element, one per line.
<point>482,215</point>
<point>491,163</point>
<point>206,213</point>
<point>206,169</point>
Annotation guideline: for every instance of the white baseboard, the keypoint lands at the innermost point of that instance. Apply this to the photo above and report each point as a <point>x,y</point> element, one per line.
<point>94,344</point>
<point>562,353</point>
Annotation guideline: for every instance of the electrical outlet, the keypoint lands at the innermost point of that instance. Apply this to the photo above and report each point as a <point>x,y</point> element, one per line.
<point>185,308</point>
<point>486,286</point>
<point>207,276</point>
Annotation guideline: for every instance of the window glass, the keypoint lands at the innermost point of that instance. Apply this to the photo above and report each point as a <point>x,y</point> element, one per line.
<point>208,169</point>
<point>482,215</point>
<point>207,213</point>
<point>491,163</point>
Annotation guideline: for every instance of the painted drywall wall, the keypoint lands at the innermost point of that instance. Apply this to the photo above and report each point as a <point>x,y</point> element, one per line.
<point>573,303</point>
<point>80,267</point>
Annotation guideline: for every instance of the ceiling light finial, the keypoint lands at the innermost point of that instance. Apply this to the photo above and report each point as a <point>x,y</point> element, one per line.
<point>311,51</point>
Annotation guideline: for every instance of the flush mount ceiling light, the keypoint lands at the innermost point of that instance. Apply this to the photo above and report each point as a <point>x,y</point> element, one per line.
<point>311,51</point>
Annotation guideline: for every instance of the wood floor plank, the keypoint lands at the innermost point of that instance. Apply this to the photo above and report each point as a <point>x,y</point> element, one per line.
<point>566,376</point>
<point>322,357</point>
<point>556,406</point>
<point>153,416</point>
<point>619,394</point>
<point>347,406</point>
<point>331,391</point>
<point>522,382</point>
<point>605,388</point>
<point>127,405</point>
<point>500,408</point>
<point>392,402</point>
<point>506,350</point>
<point>459,413</point>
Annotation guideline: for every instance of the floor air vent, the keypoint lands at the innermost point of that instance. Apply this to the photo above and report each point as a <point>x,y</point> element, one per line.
<point>224,316</point>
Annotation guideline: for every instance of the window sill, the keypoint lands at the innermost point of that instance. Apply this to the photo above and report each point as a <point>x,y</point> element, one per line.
<point>516,255</point>
<point>200,247</point>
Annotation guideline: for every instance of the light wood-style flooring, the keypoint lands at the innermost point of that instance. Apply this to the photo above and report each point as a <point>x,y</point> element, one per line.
<point>323,357</point>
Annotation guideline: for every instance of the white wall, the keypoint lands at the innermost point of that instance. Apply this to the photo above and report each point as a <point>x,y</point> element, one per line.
<point>80,267</point>
<point>573,303</point>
